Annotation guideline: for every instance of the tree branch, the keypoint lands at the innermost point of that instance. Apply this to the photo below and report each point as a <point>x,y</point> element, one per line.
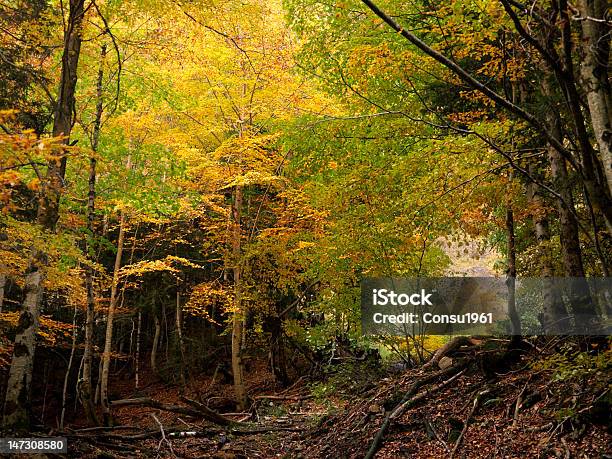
<point>472,82</point>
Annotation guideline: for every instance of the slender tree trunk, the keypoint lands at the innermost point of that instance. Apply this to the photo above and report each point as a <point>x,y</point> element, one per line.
<point>237,322</point>
<point>67,375</point>
<point>79,372</point>
<point>3,277</point>
<point>138,349</point>
<point>17,400</point>
<point>99,380</point>
<point>86,384</point>
<point>108,342</point>
<point>594,71</point>
<point>165,337</point>
<point>155,343</point>
<point>179,333</point>
<point>2,285</point>
<point>511,272</point>
<point>570,242</point>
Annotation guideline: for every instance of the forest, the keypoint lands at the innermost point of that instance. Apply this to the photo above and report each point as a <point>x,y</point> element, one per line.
<point>193,193</point>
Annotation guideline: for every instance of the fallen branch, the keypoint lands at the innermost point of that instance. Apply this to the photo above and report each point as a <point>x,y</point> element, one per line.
<point>467,422</point>
<point>153,433</point>
<point>264,429</point>
<point>411,399</point>
<point>211,415</point>
<point>104,429</point>
<point>201,411</point>
<point>283,397</point>
<point>541,428</point>
<point>297,382</point>
<point>181,433</point>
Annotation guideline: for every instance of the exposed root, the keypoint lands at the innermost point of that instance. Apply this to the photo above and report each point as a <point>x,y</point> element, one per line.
<point>449,347</point>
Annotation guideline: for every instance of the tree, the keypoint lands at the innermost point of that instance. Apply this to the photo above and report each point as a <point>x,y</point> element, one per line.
<point>16,405</point>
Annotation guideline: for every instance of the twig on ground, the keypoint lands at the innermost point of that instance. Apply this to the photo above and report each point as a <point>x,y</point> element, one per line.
<point>466,423</point>
<point>264,429</point>
<point>103,429</point>
<point>283,397</point>
<point>163,438</point>
<point>517,405</point>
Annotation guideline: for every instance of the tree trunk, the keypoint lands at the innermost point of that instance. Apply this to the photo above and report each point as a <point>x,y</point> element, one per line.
<point>580,298</point>
<point>155,343</point>
<point>594,72</point>
<point>553,311</point>
<point>165,338</point>
<point>137,358</point>
<point>593,177</point>
<point>108,342</point>
<point>511,273</point>
<point>2,285</point>
<point>237,322</point>
<point>179,334</point>
<point>278,361</point>
<point>570,242</point>
<point>67,375</point>
<point>86,385</point>
<point>98,381</point>
<point>17,400</point>
<point>48,210</point>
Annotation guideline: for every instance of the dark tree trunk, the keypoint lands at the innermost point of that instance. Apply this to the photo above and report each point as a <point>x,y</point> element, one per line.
<point>48,211</point>
<point>278,360</point>
<point>511,280</point>
<point>580,298</point>
<point>155,343</point>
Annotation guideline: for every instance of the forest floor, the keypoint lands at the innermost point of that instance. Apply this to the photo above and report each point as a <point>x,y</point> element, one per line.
<point>526,412</point>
